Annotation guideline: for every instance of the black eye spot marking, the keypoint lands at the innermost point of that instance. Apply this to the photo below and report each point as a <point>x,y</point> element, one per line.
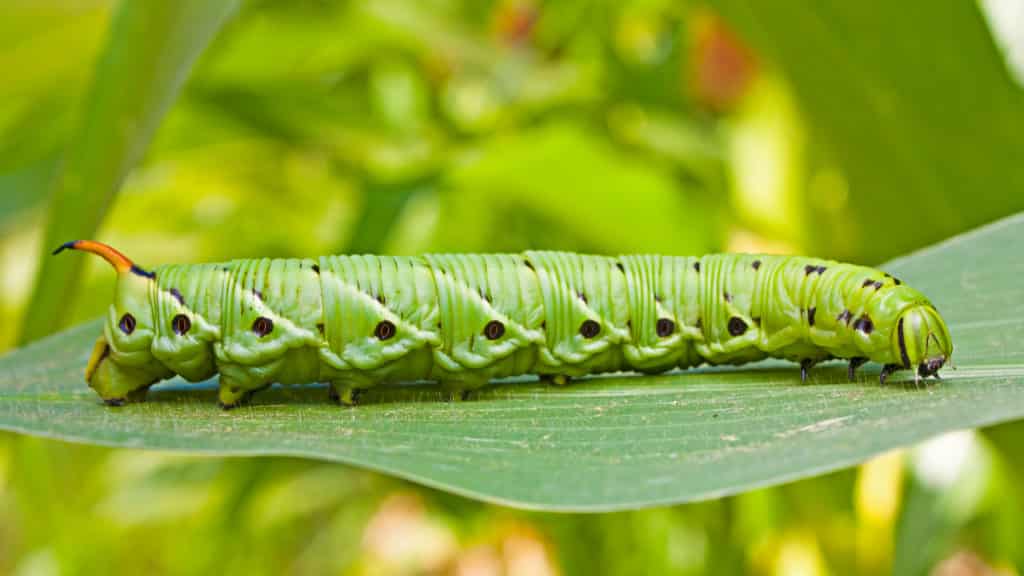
<point>589,329</point>
<point>737,326</point>
<point>181,324</point>
<point>864,324</point>
<point>867,283</point>
<point>384,330</point>
<point>177,296</point>
<point>877,285</point>
<point>664,327</point>
<point>727,296</point>
<point>810,315</point>
<point>696,266</point>
<point>316,268</point>
<point>582,296</point>
<point>808,270</point>
<point>127,324</point>
<point>263,326</point>
<point>897,280</point>
<point>821,270</point>
<point>494,330</point>
<point>755,264</point>
<point>845,316</point>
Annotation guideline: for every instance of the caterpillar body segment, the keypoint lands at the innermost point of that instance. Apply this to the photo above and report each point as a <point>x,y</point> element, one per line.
<point>464,319</point>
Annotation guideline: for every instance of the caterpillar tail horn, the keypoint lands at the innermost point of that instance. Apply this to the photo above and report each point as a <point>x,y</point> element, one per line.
<point>119,261</point>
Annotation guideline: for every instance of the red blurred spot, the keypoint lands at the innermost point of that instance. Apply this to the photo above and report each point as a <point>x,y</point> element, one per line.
<point>722,66</point>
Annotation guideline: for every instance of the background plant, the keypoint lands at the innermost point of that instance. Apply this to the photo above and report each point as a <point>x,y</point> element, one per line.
<point>859,132</point>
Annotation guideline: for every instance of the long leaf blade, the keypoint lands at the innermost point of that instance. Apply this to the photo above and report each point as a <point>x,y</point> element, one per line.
<point>600,444</point>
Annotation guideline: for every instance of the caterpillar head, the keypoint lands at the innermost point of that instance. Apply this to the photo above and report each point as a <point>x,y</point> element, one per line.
<point>922,339</point>
<point>122,367</point>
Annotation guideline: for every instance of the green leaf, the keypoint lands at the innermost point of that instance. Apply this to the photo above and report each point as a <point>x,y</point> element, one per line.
<point>904,119</point>
<point>149,52</point>
<point>599,444</point>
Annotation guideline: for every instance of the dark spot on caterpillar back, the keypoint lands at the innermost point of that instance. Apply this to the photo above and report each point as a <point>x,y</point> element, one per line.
<point>727,296</point>
<point>864,324</point>
<point>177,296</point>
<point>494,330</point>
<point>877,285</point>
<point>821,270</point>
<point>896,280</point>
<point>737,326</point>
<point>755,264</point>
<point>381,299</point>
<point>810,315</point>
<point>809,269</point>
<point>589,329</point>
<point>867,283</point>
<point>384,330</point>
<point>757,320</point>
<point>320,328</point>
<point>696,266</point>
<point>657,298</point>
<point>583,297</point>
<point>127,324</point>
<point>529,265</point>
<point>664,327</point>
<point>181,324</point>
<point>316,268</point>
<point>544,324</point>
<point>620,267</point>
<point>263,326</point>
<point>845,316</point>
<point>257,294</point>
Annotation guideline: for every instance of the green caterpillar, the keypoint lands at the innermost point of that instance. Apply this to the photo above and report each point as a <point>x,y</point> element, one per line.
<point>464,319</point>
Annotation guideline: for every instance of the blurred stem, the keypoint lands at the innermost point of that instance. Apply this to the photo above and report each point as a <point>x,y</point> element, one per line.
<point>149,52</point>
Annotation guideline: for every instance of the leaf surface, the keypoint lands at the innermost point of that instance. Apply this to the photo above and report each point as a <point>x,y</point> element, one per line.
<point>602,443</point>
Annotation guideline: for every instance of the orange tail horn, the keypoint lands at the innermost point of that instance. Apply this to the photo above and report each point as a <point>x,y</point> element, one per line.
<point>119,261</point>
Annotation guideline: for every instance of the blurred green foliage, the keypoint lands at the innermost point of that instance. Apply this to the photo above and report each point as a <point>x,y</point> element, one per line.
<point>309,127</point>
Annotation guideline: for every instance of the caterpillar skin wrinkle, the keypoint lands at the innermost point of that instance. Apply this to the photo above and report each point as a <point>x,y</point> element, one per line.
<point>464,319</point>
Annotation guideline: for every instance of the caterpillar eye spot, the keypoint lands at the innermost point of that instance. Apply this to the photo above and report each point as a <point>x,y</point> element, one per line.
<point>589,329</point>
<point>127,324</point>
<point>181,324</point>
<point>664,327</point>
<point>737,326</point>
<point>385,330</point>
<point>896,280</point>
<point>755,264</point>
<point>494,330</point>
<point>263,326</point>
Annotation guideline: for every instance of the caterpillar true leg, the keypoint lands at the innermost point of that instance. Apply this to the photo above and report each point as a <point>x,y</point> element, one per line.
<point>851,370</point>
<point>345,392</point>
<point>886,371</point>
<point>805,365</point>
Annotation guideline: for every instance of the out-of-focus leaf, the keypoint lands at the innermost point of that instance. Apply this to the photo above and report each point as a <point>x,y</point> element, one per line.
<point>913,103</point>
<point>603,443</point>
<point>147,57</point>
